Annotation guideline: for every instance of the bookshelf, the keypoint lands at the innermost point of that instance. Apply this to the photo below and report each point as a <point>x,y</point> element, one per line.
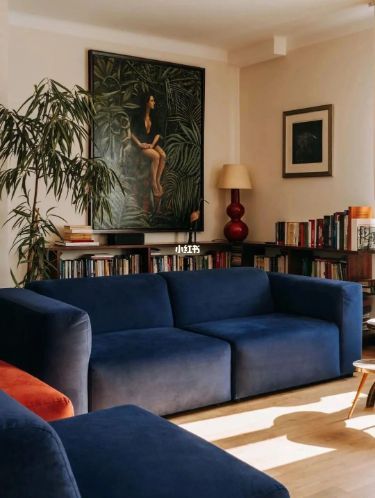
<point>333,263</point>
<point>90,261</point>
<point>151,258</point>
<point>106,260</point>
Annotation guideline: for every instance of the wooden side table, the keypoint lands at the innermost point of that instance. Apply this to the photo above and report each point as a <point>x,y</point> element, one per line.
<point>366,367</point>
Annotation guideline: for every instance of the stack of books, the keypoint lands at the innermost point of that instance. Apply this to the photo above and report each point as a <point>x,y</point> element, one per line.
<point>77,235</point>
<point>237,255</point>
<point>342,230</point>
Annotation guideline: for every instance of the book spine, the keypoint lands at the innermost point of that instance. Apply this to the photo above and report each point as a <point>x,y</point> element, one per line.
<point>319,233</point>
<point>326,230</point>
<point>312,241</point>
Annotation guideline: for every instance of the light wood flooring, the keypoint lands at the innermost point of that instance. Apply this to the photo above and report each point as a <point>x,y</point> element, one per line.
<point>300,437</point>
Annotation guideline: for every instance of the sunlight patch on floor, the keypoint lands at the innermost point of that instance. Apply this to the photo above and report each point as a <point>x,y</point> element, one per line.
<point>364,423</point>
<point>276,452</point>
<point>254,420</point>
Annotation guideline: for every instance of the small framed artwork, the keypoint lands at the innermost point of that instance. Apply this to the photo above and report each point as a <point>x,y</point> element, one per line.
<point>307,142</point>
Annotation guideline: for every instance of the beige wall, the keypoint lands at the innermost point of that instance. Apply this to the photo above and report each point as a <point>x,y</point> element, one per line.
<point>37,53</point>
<point>4,231</point>
<point>338,72</point>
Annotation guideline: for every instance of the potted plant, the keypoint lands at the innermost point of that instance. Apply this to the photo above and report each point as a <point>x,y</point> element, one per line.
<point>45,138</point>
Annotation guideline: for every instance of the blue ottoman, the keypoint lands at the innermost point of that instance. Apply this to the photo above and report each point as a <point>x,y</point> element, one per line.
<point>122,452</point>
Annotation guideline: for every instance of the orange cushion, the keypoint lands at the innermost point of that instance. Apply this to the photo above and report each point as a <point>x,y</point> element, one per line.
<point>31,392</point>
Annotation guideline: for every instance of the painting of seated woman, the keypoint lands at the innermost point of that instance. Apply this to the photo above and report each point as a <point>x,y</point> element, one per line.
<point>148,127</point>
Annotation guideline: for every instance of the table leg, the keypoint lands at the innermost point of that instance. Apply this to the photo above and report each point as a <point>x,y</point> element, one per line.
<point>361,384</point>
<point>371,397</point>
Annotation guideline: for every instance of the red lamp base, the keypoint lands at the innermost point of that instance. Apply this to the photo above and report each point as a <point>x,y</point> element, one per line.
<point>235,230</point>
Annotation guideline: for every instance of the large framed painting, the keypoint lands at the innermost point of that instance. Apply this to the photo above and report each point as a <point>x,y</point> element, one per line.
<point>307,142</point>
<point>149,129</point>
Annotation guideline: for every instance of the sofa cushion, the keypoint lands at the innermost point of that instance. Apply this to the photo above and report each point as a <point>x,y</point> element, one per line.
<point>33,462</point>
<point>36,395</point>
<point>277,351</point>
<point>114,303</point>
<point>139,455</point>
<point>208,295</point>
<point>165,370</point>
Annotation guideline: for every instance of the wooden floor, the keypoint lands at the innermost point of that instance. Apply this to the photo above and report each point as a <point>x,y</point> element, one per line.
<point>300,437</point>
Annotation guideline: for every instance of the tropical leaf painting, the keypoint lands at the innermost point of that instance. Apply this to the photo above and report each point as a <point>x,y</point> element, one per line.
<point>161,170</point>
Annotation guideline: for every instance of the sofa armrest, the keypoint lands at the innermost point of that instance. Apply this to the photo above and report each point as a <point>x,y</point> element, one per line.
<point>33,461</point>
<point>332,300</point>
<point>49,339</point>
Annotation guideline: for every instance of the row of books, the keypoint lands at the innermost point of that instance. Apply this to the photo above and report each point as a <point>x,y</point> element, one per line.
<point>176,262</point>
<point>101,265</point>
<point>324,268</point>
<point>96,266</point>
<point>317,267</point>
<point>278,263</point>
<point>341,230</point>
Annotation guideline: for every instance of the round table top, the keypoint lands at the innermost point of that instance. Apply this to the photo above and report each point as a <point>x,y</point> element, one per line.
<point>368,364</point>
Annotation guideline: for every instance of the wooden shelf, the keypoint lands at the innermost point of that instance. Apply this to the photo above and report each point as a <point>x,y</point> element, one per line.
<point>304,248</point>
<point>68,260</point>
<point>93,248</point>
<point>138,246</point>
<point>358,263</point>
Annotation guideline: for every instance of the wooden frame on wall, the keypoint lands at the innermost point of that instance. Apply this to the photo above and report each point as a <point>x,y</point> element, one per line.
<point>307,142</point>
<point>123,87</point>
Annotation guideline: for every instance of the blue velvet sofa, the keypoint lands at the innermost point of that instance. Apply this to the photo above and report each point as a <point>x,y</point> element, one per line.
<point>177,341</point>
<point>116,453</point>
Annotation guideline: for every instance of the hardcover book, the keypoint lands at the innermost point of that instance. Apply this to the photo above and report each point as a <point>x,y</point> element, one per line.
<point>361,229</point>
<point>357,212</point>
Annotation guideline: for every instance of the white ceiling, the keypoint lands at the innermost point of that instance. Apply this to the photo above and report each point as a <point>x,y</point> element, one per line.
<point>226,24</point>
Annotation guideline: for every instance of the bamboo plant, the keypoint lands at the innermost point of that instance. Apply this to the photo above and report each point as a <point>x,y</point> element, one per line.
<point>45,140</point>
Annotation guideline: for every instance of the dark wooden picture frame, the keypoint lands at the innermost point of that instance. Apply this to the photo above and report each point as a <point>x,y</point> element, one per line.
<point>307,142</point>
<point>149,128</point>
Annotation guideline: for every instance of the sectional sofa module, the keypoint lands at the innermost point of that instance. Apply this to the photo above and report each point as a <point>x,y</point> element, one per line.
<point>178,341</point>
<point>122,451</point>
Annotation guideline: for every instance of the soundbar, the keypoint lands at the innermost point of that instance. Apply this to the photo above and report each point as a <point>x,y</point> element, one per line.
<point>132,239</point>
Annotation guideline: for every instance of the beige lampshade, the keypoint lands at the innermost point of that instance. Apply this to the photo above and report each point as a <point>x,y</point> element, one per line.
<point>234,176</point>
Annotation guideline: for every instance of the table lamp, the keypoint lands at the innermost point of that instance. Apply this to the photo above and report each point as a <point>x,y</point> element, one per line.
<point>235,177</point>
